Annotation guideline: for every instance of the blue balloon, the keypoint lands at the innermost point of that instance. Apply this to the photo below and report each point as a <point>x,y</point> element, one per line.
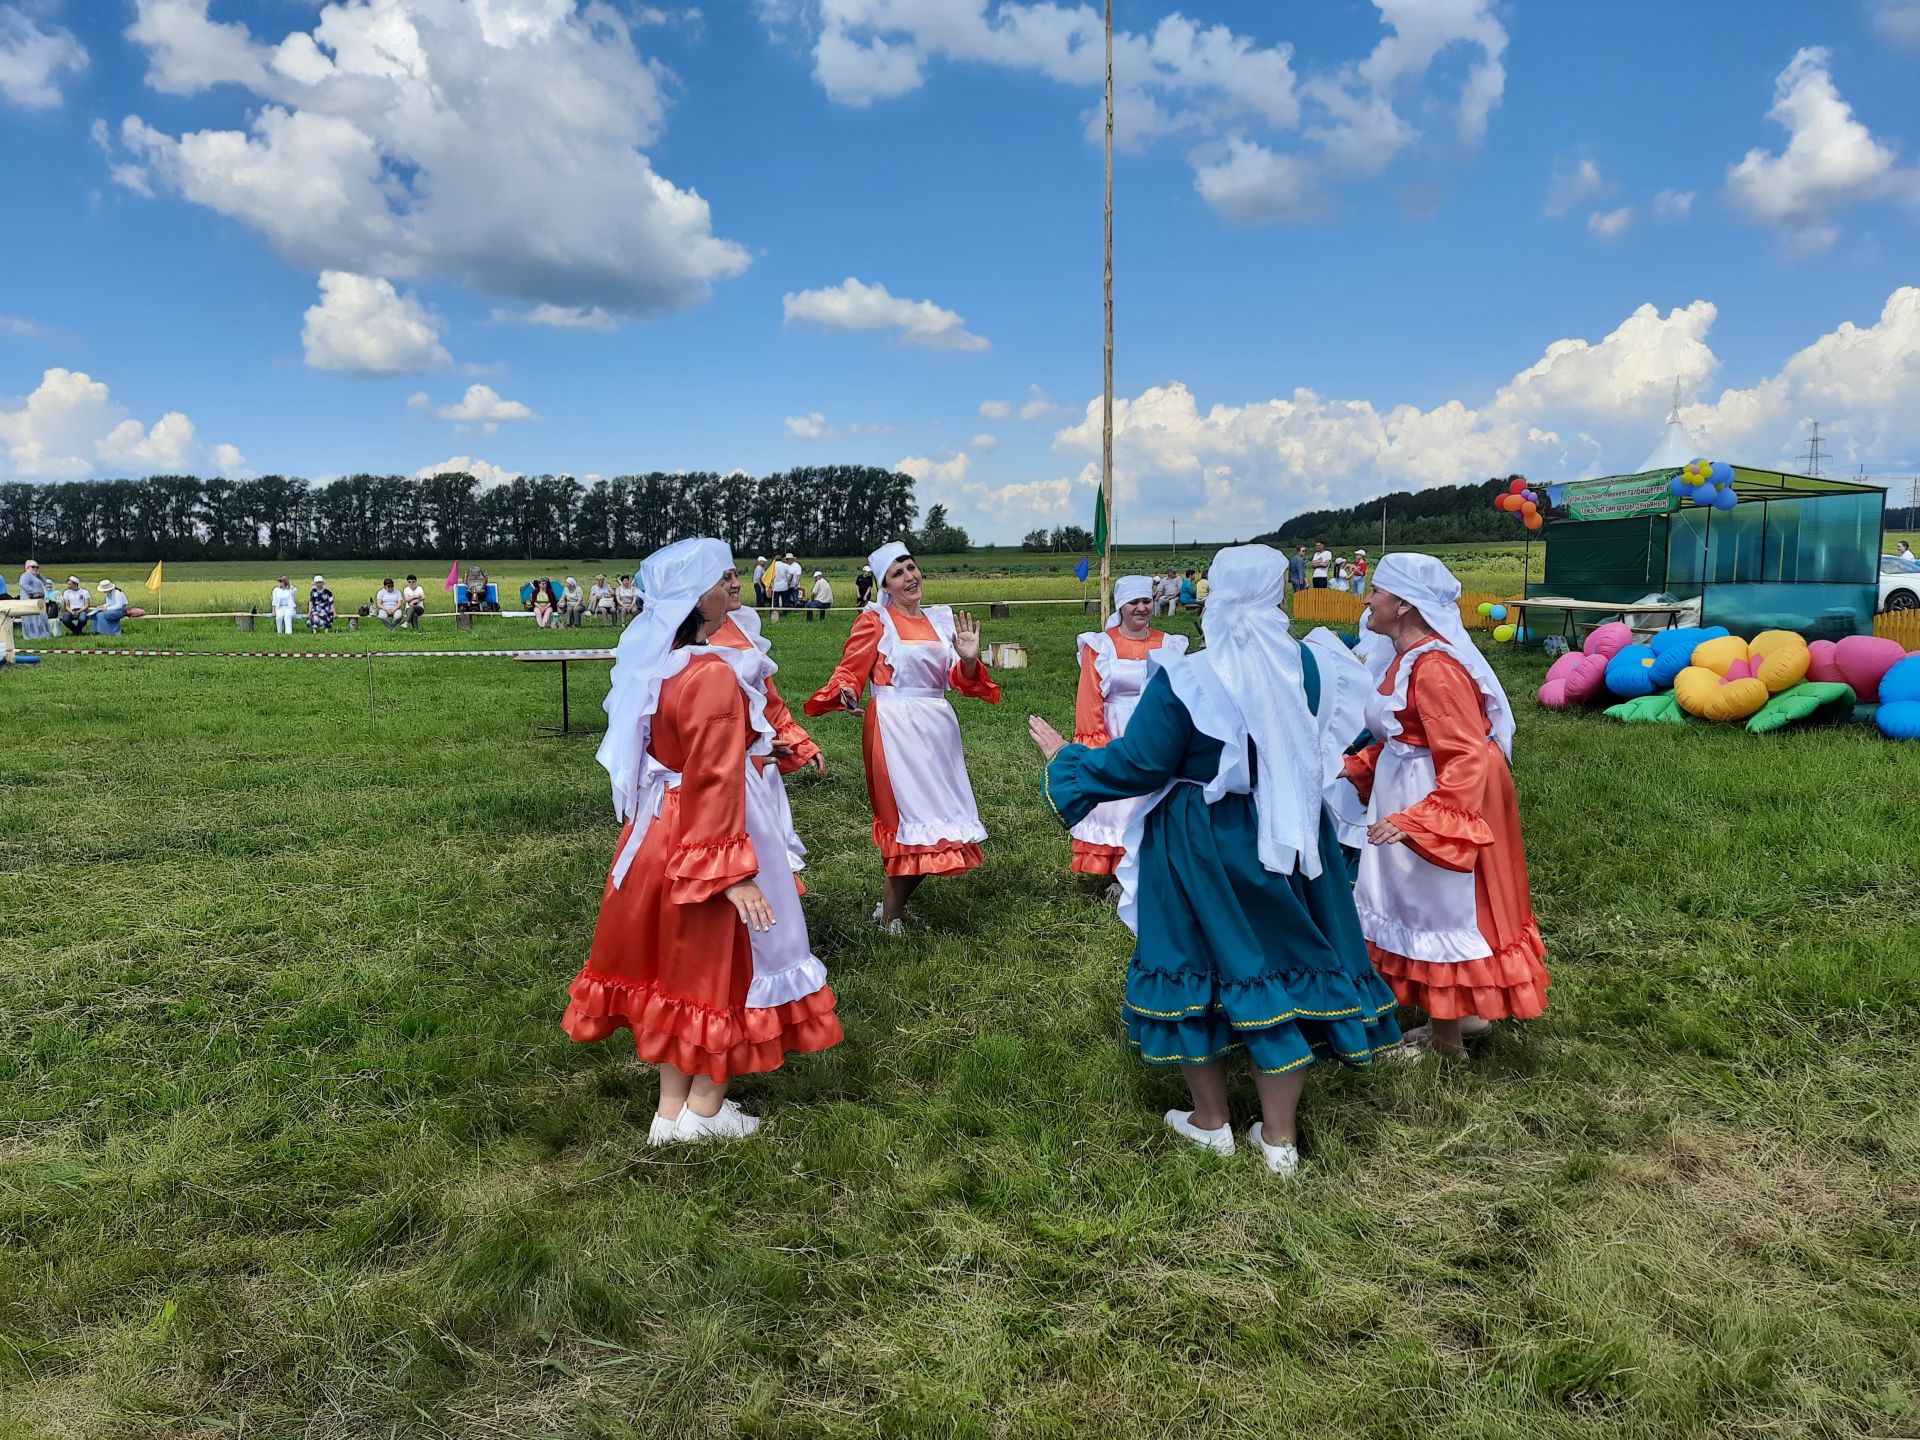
<point>1722,473</point>
<point>1725,500</point>
<point>1521,636</point>
<point>1703,494</point>
<point>1679,486</point>
<point>1499,612</point>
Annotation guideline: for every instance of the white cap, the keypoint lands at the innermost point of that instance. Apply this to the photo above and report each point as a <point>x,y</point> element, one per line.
<point>819,574</point>
<point>319,579</point>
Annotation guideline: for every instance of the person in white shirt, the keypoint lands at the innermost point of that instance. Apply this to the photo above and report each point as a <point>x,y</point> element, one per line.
<point>285,600</point>
<point>1322,561</point>
<point>822,600</point>
<point>386,603</point>
<point>75,606</point>
<point>627,596</point>
<point>1906,551</point>
<point>794,574</point>
<point>600,600</point>
<point>573,600</point>
<point>413,601</point>
<point>1342,575</point>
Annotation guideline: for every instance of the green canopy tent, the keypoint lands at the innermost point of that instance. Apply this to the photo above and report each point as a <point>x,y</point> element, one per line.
<point>1798,552</point>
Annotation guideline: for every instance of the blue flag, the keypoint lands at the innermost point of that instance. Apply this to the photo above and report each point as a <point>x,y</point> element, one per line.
<point>1080,570</point>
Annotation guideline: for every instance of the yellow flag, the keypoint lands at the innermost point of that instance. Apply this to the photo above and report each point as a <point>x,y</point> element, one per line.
<point>153,580</point>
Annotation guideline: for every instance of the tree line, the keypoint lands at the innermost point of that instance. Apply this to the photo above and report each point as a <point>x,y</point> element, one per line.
<point>813,510</point>
<point>1444,515</point>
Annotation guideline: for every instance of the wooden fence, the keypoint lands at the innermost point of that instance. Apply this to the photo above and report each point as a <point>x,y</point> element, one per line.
<point>1901,625</point>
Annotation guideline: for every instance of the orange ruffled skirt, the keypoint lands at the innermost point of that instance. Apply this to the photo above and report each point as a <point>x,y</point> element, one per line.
<point>1092,859</point>
<point>949,857</point>
<point>677,974</point>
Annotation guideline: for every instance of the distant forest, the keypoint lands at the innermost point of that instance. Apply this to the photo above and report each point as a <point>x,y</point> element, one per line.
<point>824,510</point>
<point>1446,514</point>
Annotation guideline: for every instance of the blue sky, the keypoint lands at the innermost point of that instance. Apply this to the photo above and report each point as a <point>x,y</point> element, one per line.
<point>1361,244</point>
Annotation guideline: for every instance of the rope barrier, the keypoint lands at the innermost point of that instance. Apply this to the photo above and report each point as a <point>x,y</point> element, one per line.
<point>334,654</point>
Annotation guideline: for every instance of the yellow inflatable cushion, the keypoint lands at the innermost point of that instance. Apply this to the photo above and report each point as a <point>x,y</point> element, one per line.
<point>1720,655</point>
<point>1780,659</point>
<point>1700,691</point>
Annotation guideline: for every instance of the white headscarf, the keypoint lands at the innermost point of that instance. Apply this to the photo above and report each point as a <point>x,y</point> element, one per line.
<point>1257,664</point>
<point>1427,585</point>
<point>1128,587</point>
<point>674,578</point>
<point>880,560</point>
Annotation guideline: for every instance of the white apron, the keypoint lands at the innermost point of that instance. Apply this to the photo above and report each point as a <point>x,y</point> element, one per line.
<point>1408,905</point>
<point>920,736</point>
<point>1121,683</point>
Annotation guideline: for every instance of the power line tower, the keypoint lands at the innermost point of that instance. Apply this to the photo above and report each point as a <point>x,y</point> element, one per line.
<point>1810,462</point>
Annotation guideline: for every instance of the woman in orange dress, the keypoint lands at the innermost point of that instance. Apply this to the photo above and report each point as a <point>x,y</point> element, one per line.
<point>1113,673</point>
<point>925,821</point>
<point>701,949</point>
<point>1442,891</point>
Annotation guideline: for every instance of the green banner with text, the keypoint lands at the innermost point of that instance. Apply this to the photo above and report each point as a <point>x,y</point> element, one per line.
<point>1622,497</point>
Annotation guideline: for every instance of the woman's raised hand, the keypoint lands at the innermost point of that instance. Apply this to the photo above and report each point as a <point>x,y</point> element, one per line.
<point>850,700</point>
<point>750,905</point>
<point>966,637</point>
<point>1045,736</point>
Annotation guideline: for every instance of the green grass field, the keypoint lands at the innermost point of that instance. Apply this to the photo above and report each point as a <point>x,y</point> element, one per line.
<point>293,1145</point>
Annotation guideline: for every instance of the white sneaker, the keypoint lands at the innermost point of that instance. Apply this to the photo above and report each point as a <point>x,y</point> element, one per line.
<point>663,1131</point>
<point>729,1122</point>
<point>1219,1141</point>
<point>893,928</point>
<point>1283,1160</point>
<point>1115,892</point>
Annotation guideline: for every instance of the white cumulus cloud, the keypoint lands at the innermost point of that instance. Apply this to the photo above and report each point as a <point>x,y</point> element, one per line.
<point>559,317</point>
<point>363,325</point>
<point>984,441</point>
<point>995,409</point>
<point>1183,77</point>
<point>1572,181</point>
<point>488,475</point>
<point>70,427</point>
<point>1831,160</point>
<point>33,57</point>
<point>1673,204</point>
<point>811,426</point>
<point>482,404</point>
<point>500,144</point>
<point>852,305</point>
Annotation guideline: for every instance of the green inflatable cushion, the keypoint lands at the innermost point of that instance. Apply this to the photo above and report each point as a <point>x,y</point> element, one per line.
<point>1809,700</point>
<point>1661,709</point>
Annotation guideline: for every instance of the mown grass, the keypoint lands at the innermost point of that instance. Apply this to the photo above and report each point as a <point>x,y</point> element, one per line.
<point>292,1144</point>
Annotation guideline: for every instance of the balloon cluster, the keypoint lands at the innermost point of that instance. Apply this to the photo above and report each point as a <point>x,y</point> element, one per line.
<point>1706,482</point>
<point>1522,501</point>
<point>1488,610</point>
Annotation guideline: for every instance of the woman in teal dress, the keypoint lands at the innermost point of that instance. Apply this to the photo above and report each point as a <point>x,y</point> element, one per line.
<point>1234,884</point>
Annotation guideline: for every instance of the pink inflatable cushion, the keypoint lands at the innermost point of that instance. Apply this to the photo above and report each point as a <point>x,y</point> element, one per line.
<point>1859,661</point>
<point>1581,675</point>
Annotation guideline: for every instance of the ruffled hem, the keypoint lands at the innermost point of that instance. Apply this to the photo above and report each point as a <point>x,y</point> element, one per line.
<point>783,987</point>
<point>695,1038</point>
<point>701,870</point>
<point>982,687</point>
<point>1454,835</point>
<point>1274,1049</point>
<point>1092,859</point>
<point>930,832</point>
<point>1442,947</point>
<point>950,858</point>
<point>1509,984</point>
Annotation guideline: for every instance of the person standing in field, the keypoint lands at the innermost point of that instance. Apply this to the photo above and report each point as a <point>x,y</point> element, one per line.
<point>794,576</point>
<point>925,821</point>
<point>770,582</point>
<point>1442,891</point>
<point>1237,893</point>
<point>413,601</point>
<point>319,606</point>
<point>701,950</point>
<point>1359,575</point>
<point>863,587</point>
<point>1342,576</point>
<point>1297,569</point>
<point>1322,562</point>
<point>1113,672</point>
<point>762,590</point>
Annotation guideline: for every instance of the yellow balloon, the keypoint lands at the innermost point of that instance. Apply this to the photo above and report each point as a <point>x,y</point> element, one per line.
<point>1503,633</point>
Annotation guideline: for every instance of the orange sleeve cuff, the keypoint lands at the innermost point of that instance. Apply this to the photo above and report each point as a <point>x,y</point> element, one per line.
<point>700,871</point>
<point>1442,835</point>
<point>982,687</point>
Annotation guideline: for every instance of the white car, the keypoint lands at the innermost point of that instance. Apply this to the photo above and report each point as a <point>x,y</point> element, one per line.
<point>1899,583</point>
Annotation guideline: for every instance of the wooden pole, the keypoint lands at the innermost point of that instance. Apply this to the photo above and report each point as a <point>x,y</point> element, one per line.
<point>1106,413</point>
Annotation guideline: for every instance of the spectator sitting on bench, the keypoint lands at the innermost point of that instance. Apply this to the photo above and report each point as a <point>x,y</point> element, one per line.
<point>476,588</point>
<point>113,609</point>
<point>413,602</point>
<point>627,596</point>
<point>75,606</point>
<point>600,601</point>
<point>386,604</point>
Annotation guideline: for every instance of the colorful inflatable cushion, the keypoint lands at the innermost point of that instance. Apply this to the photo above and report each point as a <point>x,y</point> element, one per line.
<point>1630,672</point>
<point>1857,661</point>
<point>1673,650</point>
<point>1581,675</point>
<point>1731,678</point>
<point>1899,714</point>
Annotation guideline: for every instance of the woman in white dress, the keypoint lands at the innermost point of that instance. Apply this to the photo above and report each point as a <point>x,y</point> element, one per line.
<point>285,600</point>
<point>925,821</point>
<point>1113,672</point>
